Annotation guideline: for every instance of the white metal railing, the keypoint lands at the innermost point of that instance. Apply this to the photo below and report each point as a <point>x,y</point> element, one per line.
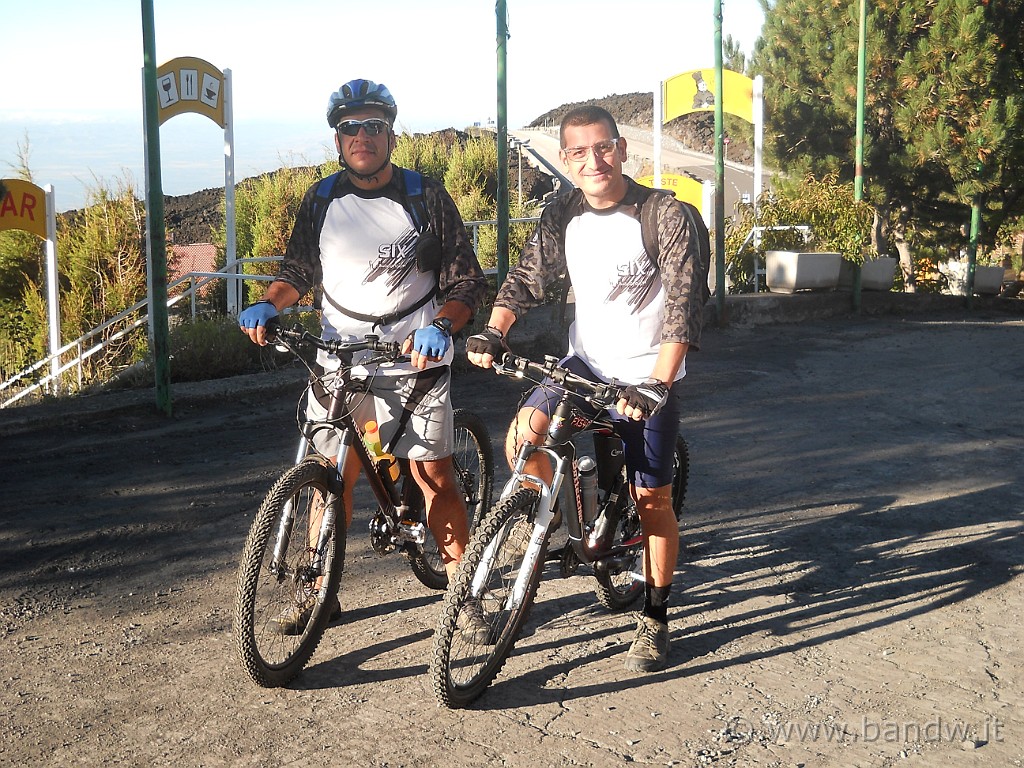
<point>93,342</point>
<point>89,344</point>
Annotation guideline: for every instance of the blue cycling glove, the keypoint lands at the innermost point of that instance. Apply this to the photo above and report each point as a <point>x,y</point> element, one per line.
<point>257,314</point>
<point>433,340</point>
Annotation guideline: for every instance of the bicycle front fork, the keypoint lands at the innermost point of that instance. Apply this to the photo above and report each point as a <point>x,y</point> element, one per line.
<point>542,521</point>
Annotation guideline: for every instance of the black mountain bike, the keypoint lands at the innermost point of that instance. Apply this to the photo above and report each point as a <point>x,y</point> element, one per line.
<point>496,583</point>
<point>296,544</point>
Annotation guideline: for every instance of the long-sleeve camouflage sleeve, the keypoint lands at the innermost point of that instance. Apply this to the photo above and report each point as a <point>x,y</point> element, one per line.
<point>461,278</point>
<point>300,267</point>
<point>541,265</point>
<point>683,260</point>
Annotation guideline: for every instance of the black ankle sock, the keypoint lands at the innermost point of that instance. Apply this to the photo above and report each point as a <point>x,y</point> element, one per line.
<point>656,602</point>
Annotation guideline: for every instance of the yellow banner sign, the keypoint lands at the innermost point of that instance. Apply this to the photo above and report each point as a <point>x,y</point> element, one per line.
<point>22,206</point>
<point>683,187</point>
<point>187,84</point>
<point>694,92</point>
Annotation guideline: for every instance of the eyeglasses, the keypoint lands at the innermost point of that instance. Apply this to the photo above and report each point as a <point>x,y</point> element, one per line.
<point>373,127</point>
<point>602,149</point>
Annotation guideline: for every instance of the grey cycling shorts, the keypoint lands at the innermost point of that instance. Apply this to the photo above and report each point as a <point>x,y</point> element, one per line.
<point>421,400</point>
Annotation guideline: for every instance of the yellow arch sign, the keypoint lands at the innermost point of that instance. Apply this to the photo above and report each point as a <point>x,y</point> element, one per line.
<point>188,84</point>
<point>683,187</point>
<point>693,91</point>
<point>23,206</point>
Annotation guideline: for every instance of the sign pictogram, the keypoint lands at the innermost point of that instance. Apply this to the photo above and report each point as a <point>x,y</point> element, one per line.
<point>188,84</point>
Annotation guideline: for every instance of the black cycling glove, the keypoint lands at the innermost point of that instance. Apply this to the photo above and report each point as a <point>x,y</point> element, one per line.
<point>490,341</point>
<point>648,397</point>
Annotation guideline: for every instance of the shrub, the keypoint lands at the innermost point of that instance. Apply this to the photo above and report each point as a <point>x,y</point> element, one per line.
<point>837,222</point>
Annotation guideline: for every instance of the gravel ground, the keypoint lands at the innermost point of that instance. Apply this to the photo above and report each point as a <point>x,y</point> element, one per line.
<point>850,592</point>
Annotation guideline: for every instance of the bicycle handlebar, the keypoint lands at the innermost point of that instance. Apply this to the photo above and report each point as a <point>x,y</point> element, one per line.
<point>297,334</point>
<point>601,394</point>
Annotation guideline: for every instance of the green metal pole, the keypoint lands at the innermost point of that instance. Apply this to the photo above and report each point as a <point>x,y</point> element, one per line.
<point>503,217</point>
<point>719,171</point>
<point>972,249</point>
<point>858,174</point>
<point>155,216</point>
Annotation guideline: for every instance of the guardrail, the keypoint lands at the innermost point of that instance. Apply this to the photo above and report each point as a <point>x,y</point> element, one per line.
<point>24,383</point>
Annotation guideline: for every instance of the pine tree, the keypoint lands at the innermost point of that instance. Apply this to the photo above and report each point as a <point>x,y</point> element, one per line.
<point>943,127</point>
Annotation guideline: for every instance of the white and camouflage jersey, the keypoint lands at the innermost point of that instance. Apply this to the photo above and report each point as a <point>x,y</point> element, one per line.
<point>364,259</point>
<point>625,306</point>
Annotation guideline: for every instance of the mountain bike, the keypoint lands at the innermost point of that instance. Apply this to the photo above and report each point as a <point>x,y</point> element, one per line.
<point>295,550</point>
<point>487,606</point>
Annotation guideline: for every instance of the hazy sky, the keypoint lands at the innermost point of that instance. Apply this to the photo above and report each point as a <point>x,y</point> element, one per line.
<point>73,82</point>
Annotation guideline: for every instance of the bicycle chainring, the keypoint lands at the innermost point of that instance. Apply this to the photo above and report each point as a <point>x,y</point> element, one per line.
<point>382,534</point>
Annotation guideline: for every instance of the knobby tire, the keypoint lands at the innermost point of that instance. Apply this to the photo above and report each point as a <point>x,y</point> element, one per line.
<point>461,669</point>
<point>473,459</point>
<point>269,657</point>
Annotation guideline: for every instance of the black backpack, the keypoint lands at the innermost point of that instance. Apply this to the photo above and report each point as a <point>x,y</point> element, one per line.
<point>649,229</point>
<point>428,247</point>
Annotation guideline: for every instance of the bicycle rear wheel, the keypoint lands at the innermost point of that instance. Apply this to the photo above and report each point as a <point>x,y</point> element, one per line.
<point>274,650</point>
<point>475,634</point>
<point>620,583</point>
<point>680,476</point>
<point>620,580</point>
<point>473,460</point>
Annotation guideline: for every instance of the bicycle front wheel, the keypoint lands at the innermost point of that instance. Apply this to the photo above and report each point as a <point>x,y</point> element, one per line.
<point>476,632</point>
<point>284,598</point>
<point>473,461</point>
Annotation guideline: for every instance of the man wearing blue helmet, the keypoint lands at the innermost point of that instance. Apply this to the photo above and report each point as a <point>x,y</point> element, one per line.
<point>386,252</point>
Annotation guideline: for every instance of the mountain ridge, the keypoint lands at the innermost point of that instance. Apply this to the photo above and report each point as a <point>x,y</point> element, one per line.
<point>193,217</point>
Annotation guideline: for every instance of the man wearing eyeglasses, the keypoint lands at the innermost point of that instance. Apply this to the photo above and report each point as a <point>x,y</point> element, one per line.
<point>387,253</point>
<point>637,314</point>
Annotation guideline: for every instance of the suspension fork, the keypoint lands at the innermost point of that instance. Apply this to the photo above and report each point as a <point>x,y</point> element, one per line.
<point>542,521</point>
<point>284,527</point>
<point>329,516</point>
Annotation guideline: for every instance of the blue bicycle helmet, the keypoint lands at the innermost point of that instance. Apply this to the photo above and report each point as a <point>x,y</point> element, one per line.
<point>356,94</point>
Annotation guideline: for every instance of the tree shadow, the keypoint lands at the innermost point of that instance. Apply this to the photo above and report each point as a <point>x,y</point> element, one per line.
<point>818,581</point>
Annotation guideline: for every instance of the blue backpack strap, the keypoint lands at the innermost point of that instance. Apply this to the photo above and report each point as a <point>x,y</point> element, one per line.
<point>322,199</point>
<point>414,199</point>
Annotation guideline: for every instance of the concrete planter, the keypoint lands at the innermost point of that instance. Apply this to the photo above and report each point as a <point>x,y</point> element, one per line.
<point>790,271</point>
<point>875,274</point>
<point>987,280</point>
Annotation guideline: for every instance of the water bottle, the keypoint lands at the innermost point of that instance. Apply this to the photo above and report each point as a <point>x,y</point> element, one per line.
<point>588,487</point>
<point>371,439</point>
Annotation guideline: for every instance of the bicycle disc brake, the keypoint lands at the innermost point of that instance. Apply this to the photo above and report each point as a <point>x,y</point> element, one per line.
<point>569,562</point>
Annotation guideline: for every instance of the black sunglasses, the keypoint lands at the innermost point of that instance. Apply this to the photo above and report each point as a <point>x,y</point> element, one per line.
<point>373,127</point>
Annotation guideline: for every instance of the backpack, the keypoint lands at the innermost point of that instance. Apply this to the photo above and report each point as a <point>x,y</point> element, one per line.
<point>413,183</point>
<point>649,229</point>
<point>428,247</point>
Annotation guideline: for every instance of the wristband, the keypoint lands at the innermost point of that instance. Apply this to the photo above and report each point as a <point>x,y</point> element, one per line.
<point>444,325</point>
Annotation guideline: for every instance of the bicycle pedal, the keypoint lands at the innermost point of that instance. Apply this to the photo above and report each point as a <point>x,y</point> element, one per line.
<point>412,531</point>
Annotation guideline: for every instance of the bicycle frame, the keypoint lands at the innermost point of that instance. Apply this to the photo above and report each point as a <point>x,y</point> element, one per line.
<point>565,424</point>
<point>393,502</point>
